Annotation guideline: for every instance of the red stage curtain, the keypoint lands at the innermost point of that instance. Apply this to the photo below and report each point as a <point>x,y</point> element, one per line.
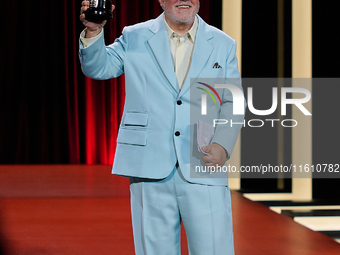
<point>50,113</point>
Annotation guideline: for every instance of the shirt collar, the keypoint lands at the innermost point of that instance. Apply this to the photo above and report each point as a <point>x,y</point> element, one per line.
<point>191,33</point>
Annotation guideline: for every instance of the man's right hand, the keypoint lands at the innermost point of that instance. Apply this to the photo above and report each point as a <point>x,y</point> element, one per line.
<point>92,28</point>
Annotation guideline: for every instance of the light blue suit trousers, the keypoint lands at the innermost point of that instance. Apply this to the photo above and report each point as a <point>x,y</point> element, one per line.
<point>159,206</point>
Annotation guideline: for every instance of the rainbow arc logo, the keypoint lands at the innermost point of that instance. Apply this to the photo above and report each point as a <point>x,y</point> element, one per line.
<point>209,93</point>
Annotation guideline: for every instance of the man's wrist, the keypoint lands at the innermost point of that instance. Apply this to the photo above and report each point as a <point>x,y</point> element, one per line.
<point>93,33</point>
<point>86,42</point>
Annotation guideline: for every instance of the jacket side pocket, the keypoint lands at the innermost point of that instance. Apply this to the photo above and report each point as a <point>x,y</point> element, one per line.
<point>132,136</point>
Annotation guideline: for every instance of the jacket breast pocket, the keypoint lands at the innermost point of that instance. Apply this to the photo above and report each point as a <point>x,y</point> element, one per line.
<point>133,129</point>
<point>213,73</point>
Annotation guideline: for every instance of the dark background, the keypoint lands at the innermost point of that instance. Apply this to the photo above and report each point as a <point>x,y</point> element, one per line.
<point>51,114</point>
<point>259,59</point>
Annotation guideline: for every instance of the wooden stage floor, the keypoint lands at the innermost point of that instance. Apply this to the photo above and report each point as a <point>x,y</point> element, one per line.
<point>83,210</point>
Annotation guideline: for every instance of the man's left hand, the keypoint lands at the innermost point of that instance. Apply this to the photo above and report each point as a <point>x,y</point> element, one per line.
<point>217,155</point>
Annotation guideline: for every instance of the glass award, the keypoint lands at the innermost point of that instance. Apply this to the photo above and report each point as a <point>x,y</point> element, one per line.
<point>99,10</point>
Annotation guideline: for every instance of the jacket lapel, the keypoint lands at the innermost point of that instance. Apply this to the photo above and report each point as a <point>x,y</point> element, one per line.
<point>159,45</point>
<point>200,56</point>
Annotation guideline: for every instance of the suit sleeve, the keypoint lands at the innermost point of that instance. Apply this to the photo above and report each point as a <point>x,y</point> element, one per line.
<point>227,134</point>
<point>102,62</point>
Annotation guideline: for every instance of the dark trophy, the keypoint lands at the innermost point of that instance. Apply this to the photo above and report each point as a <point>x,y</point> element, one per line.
<point>99,10</point>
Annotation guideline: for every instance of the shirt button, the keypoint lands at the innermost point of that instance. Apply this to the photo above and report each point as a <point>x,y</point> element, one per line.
<point>179,102</point>
<point>177,133</point>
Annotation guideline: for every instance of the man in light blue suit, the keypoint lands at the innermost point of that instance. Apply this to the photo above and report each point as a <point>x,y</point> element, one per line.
<point>162,60</point>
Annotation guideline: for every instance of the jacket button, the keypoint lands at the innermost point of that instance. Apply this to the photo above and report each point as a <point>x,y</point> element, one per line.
<point>177,133</point>
<point>179,102</point>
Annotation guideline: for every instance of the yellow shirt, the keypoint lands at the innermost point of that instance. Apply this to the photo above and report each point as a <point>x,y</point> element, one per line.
<point>181,48</point>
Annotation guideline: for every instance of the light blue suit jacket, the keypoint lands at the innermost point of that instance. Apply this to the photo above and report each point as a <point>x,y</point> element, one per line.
<point>147,146</point>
